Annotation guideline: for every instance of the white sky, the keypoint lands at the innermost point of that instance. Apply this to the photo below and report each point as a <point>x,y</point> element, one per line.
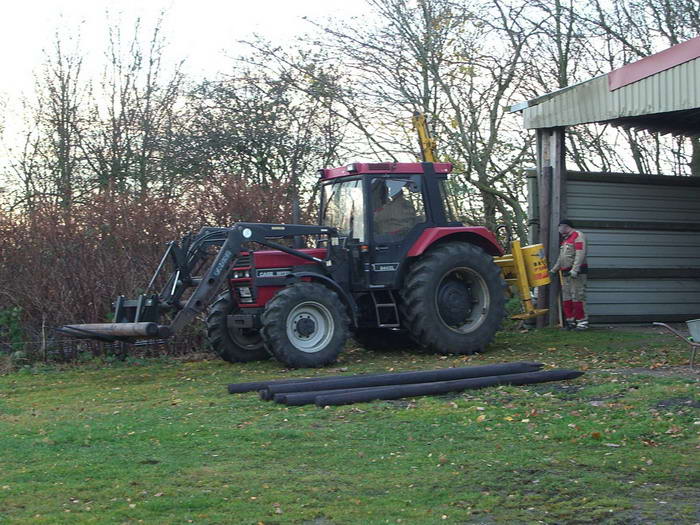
<point>201,31</point>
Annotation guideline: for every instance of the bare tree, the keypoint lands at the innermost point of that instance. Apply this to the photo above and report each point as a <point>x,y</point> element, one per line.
<point>639,28</point>
<point>259,129</point>
<point>49,162</point>
<point>133,113</point>
<point>459,63</point>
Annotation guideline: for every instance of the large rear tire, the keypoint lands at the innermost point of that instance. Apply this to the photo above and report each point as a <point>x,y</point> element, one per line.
<point>240,345</point>
<point>305,325</point>
<point>453,299</point>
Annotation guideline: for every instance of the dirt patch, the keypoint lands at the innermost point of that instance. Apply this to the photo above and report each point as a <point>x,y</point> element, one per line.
<point>678,402</point>
<point>677,505</point>
<point>562,391</point>
<point>645,328</point>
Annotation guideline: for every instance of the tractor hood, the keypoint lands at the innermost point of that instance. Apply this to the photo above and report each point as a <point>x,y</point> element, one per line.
<point>276,259</point>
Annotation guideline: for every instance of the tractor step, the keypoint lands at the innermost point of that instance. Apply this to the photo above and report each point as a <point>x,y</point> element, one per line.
<point>387,313</point>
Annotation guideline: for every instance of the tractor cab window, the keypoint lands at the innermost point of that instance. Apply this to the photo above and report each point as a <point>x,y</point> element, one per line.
<point>343,208</point>
<point>397,206</point>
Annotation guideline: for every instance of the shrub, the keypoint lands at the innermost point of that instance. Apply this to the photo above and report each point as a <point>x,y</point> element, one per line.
<point>61,266</point>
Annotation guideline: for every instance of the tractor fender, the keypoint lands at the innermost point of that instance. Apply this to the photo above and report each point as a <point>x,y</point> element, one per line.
<point>478,235</point>
<point>330,283</point>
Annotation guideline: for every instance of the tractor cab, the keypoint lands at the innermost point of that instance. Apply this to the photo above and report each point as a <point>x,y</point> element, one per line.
<point>383,202</point>
<point>382,209</point>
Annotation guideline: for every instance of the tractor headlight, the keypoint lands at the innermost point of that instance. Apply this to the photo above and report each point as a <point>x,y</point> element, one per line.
<point>241,274</point>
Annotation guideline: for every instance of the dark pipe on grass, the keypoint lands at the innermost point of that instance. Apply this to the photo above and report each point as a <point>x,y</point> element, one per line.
<point>399,378</point>
<point>443,387</point>
<point>309,398</point>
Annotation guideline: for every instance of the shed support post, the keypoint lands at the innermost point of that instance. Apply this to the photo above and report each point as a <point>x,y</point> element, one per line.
<point>551,180</point>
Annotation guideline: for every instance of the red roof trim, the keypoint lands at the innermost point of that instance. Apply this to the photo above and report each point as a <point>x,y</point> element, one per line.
<point>651,65</point>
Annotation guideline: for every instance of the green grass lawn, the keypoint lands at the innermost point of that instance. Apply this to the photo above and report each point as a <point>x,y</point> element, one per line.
<point>160,441</point>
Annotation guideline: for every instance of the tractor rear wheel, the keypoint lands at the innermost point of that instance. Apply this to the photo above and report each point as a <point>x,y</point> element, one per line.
<point>453,299</point>
<point>238,345</point>
<point>305,325</point>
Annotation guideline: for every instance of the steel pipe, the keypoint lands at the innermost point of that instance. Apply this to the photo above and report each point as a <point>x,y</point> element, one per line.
<point>308,398</point>
<point>401,378</point>
<point>118,330</point>
<point>443,387</point>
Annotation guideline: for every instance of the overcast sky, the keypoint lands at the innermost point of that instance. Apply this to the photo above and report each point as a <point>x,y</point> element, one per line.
<point>202,31</point>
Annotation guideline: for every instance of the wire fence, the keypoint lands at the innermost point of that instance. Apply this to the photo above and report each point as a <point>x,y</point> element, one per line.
<point>66,349</point>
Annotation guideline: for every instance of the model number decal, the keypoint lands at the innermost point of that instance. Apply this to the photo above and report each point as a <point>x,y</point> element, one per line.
<point>225,258</point>
<point>274,272</point>
<point>385,267</point>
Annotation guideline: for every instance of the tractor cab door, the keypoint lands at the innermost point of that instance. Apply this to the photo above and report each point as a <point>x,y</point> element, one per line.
<point>343,207</point>
<point>397,216</point>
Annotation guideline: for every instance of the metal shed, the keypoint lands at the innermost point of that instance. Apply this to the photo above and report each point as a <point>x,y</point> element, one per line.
<point>643,230</point>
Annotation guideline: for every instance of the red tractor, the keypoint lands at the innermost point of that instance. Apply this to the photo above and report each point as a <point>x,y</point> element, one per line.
<point>390,266</point>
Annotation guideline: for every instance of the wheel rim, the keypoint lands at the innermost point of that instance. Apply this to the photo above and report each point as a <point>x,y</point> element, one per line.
<point>310,327</point>
<point>246,338</point>
<point>462,300</point>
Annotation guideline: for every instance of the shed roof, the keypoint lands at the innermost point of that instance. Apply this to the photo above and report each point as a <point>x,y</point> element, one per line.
<point>660,93</point>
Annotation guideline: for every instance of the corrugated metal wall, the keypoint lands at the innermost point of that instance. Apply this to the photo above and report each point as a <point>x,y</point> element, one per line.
<point>643,245</point>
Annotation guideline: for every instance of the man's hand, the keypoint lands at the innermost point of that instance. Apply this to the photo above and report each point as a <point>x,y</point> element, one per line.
<point>573,274</point>
<point>553,270</point>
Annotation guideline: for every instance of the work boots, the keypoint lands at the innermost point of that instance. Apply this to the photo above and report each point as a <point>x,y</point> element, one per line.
<point>572,324</point>
<point>582,324</point>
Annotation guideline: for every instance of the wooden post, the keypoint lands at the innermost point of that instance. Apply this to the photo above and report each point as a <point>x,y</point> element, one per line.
<point>551,180</point>
<point>543,180</point>
<point>556,213</point>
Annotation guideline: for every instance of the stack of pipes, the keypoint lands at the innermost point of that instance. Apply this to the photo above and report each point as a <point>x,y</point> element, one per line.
<point>345,390</point>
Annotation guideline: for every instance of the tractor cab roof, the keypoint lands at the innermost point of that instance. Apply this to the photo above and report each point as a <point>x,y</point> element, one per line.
<point>382,168</point>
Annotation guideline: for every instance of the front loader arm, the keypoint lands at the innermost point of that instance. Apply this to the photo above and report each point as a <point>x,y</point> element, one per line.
<point>139,318</point>
<point>214,279</point>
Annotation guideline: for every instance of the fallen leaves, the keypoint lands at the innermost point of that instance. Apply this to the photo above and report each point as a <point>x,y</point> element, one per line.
<point>674,430</point>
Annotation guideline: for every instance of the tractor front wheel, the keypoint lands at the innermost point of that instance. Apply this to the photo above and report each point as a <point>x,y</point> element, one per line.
<point>453,299</point>
<point>305,325</point>
<point>237,345</point>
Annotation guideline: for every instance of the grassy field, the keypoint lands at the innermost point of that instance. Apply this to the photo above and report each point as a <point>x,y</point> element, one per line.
<point>159,441</point>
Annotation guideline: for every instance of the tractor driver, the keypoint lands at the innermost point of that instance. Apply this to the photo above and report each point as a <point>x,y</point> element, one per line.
<point>394,214</point>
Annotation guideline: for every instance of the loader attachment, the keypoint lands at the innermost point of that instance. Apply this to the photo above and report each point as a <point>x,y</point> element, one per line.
<point>195,271</point>
<point>525,268</point>
<point>112,331</point>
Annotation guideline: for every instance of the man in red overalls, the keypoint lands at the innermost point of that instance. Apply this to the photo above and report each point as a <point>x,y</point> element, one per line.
<point>572,263</point>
